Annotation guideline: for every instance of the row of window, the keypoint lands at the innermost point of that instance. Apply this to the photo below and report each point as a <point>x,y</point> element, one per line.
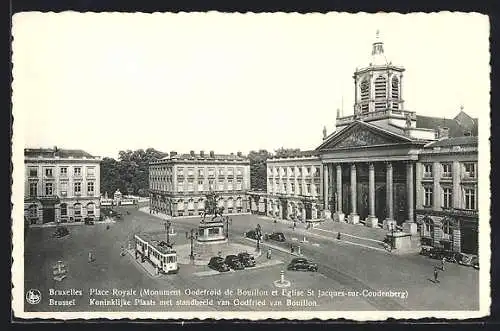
<point>63,171</point>
<point>292,171</point>
<point>77,209</point>
<point>201,185</point>
<point>201,172</point>
<point>291,188</point>
<point>469,197</point>
<point>469,170</point>
<point>49,189</point>
<point>380,86</point>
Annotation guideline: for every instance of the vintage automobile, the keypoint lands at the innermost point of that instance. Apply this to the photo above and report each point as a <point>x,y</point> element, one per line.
<point>439,253</point>
<point>276,236</point>
<point>234,263</point>
<point>252,234</point>
<point>247,259</point>
<point>89,221</point>
<point>217,263</point>
<point>302,264</point>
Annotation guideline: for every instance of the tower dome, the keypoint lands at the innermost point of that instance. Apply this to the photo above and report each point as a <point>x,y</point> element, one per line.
<point>378,56</point>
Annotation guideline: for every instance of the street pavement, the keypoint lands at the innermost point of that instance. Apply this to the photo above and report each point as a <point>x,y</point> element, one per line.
<point>343,268</point>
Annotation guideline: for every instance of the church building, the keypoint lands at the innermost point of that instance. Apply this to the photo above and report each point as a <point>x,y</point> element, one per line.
<point>371,168</point>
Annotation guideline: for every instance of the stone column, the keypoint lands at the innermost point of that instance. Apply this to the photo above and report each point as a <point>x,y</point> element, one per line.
<point>339,214</point>
<point>371,220</point>
<point>326,210</point>
<point>389,221</point>
<point>410,226</point>
<point>353,217</point>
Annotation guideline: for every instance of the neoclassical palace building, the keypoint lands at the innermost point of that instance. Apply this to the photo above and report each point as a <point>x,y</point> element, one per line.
<point>61,185</point>
<point>179,183</point>
<point>384,166</point>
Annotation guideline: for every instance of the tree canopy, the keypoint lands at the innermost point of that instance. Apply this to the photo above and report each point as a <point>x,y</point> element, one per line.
<point>130,173</point>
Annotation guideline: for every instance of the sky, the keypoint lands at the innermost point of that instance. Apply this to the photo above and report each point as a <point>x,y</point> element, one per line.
<point>228,82</point>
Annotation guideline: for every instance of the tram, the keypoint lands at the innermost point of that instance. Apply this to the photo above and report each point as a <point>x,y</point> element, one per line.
<point>161,256</point>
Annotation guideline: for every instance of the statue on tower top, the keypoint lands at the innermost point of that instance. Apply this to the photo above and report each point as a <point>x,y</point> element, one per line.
<point>324,132</point>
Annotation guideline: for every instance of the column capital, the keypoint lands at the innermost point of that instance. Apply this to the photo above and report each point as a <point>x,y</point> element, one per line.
<point>388,163</point>
<point>371,165</point>
<point>353,166</point>
<point>410,162</point>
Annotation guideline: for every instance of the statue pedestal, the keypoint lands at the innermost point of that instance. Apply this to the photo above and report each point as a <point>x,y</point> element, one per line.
<point>211,231</point>
<point>327,214</point>
<point>389,224</point>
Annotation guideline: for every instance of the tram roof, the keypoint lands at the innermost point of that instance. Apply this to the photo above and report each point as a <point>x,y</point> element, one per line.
<point>155,243</point>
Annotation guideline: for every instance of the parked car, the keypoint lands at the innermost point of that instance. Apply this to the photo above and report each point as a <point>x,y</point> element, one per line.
<point>475,262</point>
<point>61,231</point>
<point>302,264</point>
<point>217,263</point>
<point>247,259</point>
<point>252,234</point>
<point>277,236</point>
<point>439,253</point>
<point>89,221</point>
<point>234,263</point>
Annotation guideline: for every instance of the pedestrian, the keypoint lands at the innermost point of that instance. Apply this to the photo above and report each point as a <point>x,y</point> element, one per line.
<point>291,248</point>
<point>338,236</point>
<point>269,254</point>
<point>442,263</point>
<point>91,257</point>
<point>436,272</point>
<point>294,225</point>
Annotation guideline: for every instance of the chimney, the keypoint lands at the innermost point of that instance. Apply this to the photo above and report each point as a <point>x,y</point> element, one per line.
<point>239,154</point>
<point>212,154</point>
<point>202,153</point>
<point>191,153</point>
<point>173,153</point>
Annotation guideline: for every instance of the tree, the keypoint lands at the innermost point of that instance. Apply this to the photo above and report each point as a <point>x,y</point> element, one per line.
<point>258,170</point>
<point>130,174</point>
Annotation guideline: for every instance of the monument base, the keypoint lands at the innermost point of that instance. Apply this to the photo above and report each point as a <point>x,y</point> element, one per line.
<point>339,217</point>
<point>400,240</point>
<point>410,227</point>
<point>371,222</point>
<point>327,214</point>
<point>353,219</point>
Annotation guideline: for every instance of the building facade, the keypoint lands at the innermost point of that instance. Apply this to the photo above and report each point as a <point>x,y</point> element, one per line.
<point>179,183</point>
<point>294,187</point>
<point>61,185</point>
<point>447,193</point>
<point>371,168</point>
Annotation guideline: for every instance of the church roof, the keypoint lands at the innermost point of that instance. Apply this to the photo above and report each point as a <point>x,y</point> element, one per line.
<point>454,141</point>
<point>457,126</point>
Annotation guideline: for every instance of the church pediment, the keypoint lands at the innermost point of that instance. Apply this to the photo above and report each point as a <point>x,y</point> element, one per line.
<point>360,134</point>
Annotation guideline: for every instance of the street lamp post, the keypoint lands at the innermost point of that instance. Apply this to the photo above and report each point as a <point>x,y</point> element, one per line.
<point>167,229</point>
<point>258,232</point>
<point>227,227</point>
<point>190,235</point>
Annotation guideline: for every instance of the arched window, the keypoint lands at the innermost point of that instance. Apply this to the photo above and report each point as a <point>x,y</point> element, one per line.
<point>77,209</point>
<point>180,205</point>
<point>190,204</point>
<point>428,227</point>
<point>395,88</point>
<point>90,209</point>
<point>448,226</point>
<point>201,204</point>
<point>64,209</point>
<point>230,203</point>
<point>238,202</point>
<point>33,211</point>
<point>220,203</point>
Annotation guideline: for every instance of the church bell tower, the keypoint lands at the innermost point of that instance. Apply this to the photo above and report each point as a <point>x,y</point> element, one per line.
<point>378,87</point>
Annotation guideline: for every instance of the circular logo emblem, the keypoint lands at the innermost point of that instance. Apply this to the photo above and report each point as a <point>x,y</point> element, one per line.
<point>33,296</point>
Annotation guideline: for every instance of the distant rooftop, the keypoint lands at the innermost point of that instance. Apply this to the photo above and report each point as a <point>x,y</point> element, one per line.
<point>56,152</point>
<point>457,126</point>
<point>297,154</point>
<point>454,141</point>
<point>206,156</point>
